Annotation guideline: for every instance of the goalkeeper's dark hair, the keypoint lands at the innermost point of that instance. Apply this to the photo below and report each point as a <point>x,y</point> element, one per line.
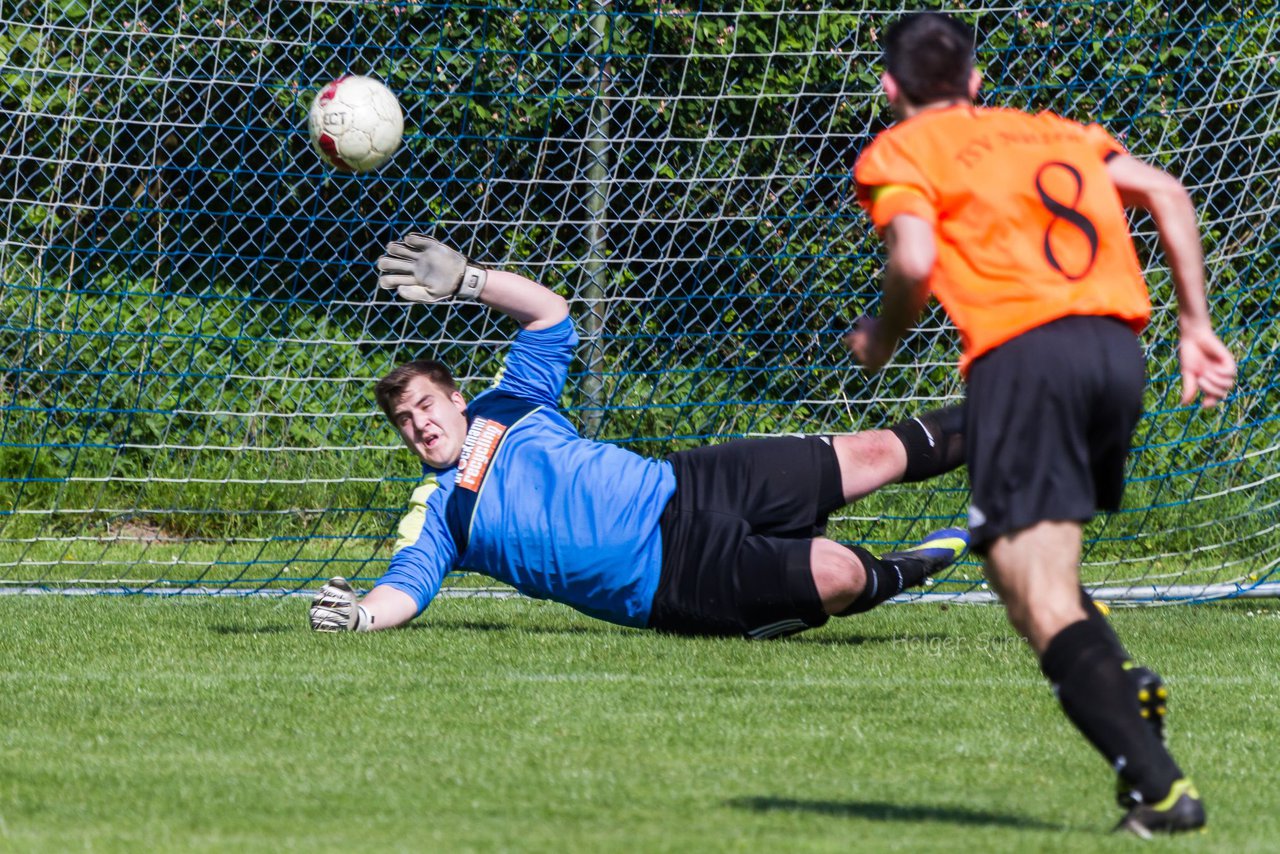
<point>391,388</point>
<point>930,55</point>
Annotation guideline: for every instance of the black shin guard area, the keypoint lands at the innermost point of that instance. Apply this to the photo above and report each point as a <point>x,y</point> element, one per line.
<point>934,441</point>
<point>886,578</point>
<point>1093,615</point>
<point>1082,663</point>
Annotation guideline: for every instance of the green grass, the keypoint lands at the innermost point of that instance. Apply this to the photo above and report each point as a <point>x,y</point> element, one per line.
<point>133,724</point>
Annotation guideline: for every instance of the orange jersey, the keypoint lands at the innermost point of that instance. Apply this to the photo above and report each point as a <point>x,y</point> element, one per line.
<point>1028,224</point>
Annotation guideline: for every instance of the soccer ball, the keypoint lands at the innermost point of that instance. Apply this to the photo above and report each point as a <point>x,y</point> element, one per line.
<point>356,123</point>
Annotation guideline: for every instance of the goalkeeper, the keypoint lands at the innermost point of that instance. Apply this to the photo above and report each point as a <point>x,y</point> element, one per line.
<point>720,540</point>
<point>1017,223</point>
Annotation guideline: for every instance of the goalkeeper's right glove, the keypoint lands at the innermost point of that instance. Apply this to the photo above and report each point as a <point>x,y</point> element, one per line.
<point>422,269</point>
<point>334,609</point>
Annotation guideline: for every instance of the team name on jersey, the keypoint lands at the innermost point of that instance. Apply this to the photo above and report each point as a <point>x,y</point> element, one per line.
<point>494,415</point>
<point>478,449</point>
<point>975,149</point>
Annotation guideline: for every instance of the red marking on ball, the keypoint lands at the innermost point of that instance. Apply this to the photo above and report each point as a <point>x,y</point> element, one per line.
<point>327,93</point>
<point>330,146</point>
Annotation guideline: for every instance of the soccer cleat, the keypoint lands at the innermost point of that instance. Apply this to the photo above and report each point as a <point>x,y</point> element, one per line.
<point>1153,696</point>
<point>1153,705</point>
<point>937,551</point>
<point>1180,811</point>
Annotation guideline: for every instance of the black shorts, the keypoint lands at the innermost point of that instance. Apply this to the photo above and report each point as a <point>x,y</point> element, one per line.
<point>736,537</point>
<point>1050,417</point>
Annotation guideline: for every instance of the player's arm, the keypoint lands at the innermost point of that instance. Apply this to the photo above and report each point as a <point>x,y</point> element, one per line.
<point>422,269</point>
<point>912,250</point>
<point>336,609</point>
<point>530,304</point>
<point>409,585</point>
<point>1207,365</point>
<point>423,554</point>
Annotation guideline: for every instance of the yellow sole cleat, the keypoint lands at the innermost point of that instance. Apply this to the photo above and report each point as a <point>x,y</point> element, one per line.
<point>1179,811</point>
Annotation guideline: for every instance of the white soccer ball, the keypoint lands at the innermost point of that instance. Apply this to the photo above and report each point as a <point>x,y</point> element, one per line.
<point>356,123</point>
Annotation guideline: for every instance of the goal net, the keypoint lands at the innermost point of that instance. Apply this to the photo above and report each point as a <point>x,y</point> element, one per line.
<point>190,328</point>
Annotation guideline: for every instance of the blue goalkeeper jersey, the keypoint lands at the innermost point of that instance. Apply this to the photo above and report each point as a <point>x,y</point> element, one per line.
<point>534,504</point>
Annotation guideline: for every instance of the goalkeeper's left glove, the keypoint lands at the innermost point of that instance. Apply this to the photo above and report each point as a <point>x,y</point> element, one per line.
<point>334,609</point>
<point>422,269</point>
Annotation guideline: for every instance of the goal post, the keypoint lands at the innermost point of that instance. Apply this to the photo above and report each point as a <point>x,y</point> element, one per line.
<point>190,328</point>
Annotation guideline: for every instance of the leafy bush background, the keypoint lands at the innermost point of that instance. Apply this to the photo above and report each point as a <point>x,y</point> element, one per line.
<point>188,324</point>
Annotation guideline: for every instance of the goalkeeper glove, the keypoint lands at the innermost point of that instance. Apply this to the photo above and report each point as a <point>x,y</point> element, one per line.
<point>422,269</point>
<point>334,609</point>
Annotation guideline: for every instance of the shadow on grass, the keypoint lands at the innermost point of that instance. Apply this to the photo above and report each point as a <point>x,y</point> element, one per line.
<point>879,811</point>
<point>273,629</point>
<point>858,640</point>
<point>820,639</point>
<point>446,624</point>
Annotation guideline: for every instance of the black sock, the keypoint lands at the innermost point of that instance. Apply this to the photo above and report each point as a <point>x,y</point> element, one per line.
<point>1088,676</point>
<point>1093,615</point>
<point>886,578</point>
<point>934,441</point>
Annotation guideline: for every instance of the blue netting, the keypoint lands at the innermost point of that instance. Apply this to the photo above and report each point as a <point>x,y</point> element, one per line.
<point>189,330</point>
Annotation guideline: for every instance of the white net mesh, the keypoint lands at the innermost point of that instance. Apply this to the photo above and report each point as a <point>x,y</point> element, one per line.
<point>189,330</point>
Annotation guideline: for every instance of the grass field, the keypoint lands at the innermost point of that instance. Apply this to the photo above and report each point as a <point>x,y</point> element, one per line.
<point>130,724</point>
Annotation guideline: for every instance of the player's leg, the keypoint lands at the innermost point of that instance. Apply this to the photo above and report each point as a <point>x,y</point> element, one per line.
<point>1147,686</point>
<point>925,446</point>
<point>851,580</point>
<point>1050,415</point>
<point>1035,572</point>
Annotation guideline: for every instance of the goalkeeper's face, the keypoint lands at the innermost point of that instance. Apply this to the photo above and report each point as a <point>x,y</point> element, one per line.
<point>432,421</point>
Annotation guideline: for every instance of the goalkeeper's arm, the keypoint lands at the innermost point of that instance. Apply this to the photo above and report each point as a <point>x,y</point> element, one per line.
<point>336,609</point>
<point>422,269</point>
<point>524,300</point>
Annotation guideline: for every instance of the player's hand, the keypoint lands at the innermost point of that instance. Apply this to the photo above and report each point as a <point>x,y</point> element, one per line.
<point>1207,366</point>
<point>334,608</point>
<point>864,342</point>
<point>422,269</point>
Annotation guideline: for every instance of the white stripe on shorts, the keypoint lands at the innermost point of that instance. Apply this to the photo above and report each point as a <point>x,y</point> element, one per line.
<point>772,630</point>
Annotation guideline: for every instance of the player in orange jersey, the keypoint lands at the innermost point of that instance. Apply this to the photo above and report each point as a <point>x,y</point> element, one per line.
<point>1017,223</point>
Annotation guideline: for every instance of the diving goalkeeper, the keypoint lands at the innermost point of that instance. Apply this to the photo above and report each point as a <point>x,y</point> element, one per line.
<point>718,540</point>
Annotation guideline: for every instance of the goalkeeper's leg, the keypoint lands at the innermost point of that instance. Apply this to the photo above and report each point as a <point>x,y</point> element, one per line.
<point>889,574</point>
<point>853,580</point>
<point>925,446</point>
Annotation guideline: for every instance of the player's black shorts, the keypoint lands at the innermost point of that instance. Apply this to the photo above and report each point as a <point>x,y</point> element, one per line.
<point>1050,417</point>
<point>736,537</point>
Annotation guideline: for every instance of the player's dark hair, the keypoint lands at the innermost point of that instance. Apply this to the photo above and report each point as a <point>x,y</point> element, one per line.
<point>930,55</point>
<point>391,388</point>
